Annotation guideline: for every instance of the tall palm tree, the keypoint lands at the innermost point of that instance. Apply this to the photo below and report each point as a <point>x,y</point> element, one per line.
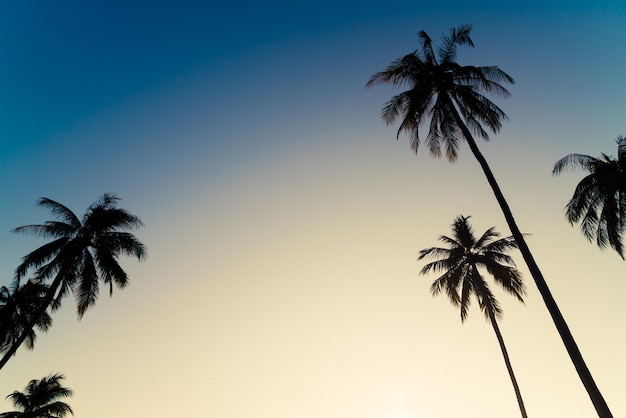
<point>452,96</point>
<point>460,261</point>
<point>18,306</point>
<point>80,256</point>
<point>41,398</point>
<point>599,200</point>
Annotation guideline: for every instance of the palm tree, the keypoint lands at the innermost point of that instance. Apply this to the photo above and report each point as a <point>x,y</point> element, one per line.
<point>452,97</point>
<point>460,261</point>
<point>81,255</point>
<point>599,200</point>
<point>41,398</point>
<point>18,306</point>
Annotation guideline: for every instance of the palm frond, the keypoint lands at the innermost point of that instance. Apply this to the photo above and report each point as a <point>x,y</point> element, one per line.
<point>427,47</point>
<point>486,300</point>
<point>109,270</point>
<point>110,219</point>
<point>60,211</point>
<point>499,246</point>
<point>121,243</point>
<point>19,399</point>
<point>51,229</point>
<point>492,79</point>
<point>487,237</point>
<point>434,137</point>
<point>453,243</point>
<point>458,36</point>
<point>575,161</point>
<point>508,277</point>
<point>67,277</point>
<point>450,282</point>
<point>479,110</point>
<point>393,108</point>
<point>87,288</point>
<point>449,130</point>
<point>439,265</point>
<point>486,79</point>
<point>610,226</point>
<point>400,72</point>
<point>436,252</point>
<point>587,197</point>
<point>56,409</point>
<point>40,256</point>
<point>467,290</point>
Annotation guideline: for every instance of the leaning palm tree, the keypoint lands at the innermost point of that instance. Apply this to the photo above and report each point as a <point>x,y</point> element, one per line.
<point>18,306</point>
<point>452,96</point>
<point>460,262</point>
<point>599,200</point>
<point>82,254</point>
<point>41,398</point>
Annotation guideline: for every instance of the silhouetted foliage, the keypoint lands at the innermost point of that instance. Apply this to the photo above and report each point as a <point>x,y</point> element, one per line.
<point>599,200</point>
<point>82,254</point>
<point>18,307</point>
<point>452,97</point>
<point>41,399</point>
<point>459,262</point>
<point>436,84</point>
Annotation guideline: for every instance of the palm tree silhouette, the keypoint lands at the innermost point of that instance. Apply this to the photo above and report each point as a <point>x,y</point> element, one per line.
<point>599,200</point>
<point>460,261</point>
<point>81,255</point>
<point>18,306</point>
<point>41,398</point>
<point>452,97</point>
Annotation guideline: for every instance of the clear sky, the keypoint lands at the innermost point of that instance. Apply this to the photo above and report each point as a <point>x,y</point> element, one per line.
<point>282,217</point>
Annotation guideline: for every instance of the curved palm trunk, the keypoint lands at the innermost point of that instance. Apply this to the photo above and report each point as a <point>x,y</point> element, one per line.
<point>505,354</point>
<point>568,340</point>
<point>47,301</point>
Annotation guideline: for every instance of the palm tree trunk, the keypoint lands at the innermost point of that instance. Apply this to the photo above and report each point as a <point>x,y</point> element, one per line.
<point>505,354</point>
<point>568,340</point>
<point>47,301</point>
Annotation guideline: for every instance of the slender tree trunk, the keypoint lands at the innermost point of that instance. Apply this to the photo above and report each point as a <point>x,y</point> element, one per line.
<point>568,340</point>
<point>505,354</point>
<point>47,301</point>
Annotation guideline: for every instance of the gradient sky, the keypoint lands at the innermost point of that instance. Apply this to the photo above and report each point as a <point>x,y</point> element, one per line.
<point>282,217</point>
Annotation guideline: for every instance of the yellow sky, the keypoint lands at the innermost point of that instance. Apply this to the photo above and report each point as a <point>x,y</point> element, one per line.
<point>291,289</point>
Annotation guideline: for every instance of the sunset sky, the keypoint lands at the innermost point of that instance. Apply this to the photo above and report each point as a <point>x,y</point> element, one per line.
<point>283,218</point>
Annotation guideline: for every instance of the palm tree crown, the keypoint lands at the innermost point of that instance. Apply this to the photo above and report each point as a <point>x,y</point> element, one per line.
<point>18,306</point>
<point>41,398</point>
<point>599,200</point>
<point>82,254</point>
<point>441,89</point>
<point>460,262</point>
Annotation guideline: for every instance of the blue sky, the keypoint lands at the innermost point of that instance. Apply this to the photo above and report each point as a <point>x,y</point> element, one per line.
<point>283,218</point>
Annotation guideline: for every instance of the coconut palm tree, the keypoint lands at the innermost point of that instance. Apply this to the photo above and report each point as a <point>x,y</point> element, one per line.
<point>461,261</point>
<point>80,256</point>
<point>18,306</point>
<point>599,200</point>
<point>452,97</point>
<point>41,398</point>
